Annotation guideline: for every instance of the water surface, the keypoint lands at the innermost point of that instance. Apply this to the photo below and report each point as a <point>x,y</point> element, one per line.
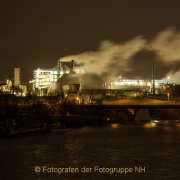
<point>155,147</point>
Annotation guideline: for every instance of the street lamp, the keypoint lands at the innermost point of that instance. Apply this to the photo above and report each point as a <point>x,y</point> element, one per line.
<point>168,96</point>
<point>77,99</point>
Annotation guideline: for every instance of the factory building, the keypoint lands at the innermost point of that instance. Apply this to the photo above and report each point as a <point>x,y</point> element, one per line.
<point>46,78</point>
<point>18,88</point>
<point>76,82</point>
<point>6,86</point>
<point>14,87</point>
<point>16,77</point>
<point>79,87</point>
<point>145,85</point>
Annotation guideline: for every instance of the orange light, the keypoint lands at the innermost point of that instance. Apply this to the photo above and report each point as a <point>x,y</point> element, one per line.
<point>114,125</point>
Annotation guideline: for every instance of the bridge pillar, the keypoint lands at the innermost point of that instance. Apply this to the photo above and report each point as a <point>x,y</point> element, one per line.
<point>141,115</point>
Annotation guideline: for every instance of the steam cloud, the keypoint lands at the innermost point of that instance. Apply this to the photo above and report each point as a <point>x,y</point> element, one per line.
<point>167,45</point>
<point>117,57</point>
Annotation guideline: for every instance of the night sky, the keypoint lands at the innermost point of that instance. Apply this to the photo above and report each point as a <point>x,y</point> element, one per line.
<point>124,36</point>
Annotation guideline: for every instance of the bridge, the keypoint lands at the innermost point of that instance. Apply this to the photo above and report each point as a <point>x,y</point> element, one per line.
<point>131,106</point>
<point>139,106</point>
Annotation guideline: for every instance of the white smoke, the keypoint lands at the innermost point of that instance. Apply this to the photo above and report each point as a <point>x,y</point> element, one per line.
<point>108,56</point>
<point>172,78</point>
<point>116,57</point>
<point>166,44</point>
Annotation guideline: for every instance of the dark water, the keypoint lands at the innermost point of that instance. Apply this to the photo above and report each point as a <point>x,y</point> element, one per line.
<point>154,147</point>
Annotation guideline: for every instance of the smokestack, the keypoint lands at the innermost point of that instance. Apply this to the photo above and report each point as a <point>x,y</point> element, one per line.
<point>72,64</point>
<point>16,78</point>
<point>59,63</point>
<point>153,78</point>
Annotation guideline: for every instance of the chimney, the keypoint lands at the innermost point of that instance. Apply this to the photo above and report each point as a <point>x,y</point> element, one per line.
<point>59,64</point>
<point>72,64</point>
<point>153,78</point>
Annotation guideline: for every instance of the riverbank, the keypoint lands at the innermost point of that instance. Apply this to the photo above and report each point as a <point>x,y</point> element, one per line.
<point>8,133</point>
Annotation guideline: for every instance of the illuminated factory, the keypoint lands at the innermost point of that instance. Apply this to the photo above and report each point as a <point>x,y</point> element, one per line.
<point>44,78</point>
<point>47,78</point>
<point>69,78</point>
<point>145,85</point>
<point>66,78</point>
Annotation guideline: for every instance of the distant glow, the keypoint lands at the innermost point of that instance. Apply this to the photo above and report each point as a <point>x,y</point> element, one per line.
<point>149,125</point>
<point>168,77</point>
<point>114,125</point>
<point>61,72</point>
<point>156,121</point>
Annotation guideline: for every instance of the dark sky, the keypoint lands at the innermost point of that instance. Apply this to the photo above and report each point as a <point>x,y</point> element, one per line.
<point>36,33</point>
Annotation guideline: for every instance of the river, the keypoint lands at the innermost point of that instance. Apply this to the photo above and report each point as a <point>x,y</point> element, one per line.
<point>114,151</point>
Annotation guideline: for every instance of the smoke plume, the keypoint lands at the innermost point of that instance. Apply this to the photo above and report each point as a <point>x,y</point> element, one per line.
<point>118,57</point>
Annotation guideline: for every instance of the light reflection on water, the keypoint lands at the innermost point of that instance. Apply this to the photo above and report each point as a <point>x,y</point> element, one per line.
<point>150,125</point>
<point>153,145</point>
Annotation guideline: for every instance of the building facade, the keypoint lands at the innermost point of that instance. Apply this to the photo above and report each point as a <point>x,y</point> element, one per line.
<point>46,78</point>
<point>16,77</point>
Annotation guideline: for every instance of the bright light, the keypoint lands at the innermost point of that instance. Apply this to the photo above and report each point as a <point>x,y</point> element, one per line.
<point>168,77</point>
<point>82,70</point>
<point>114,125</point>
<point>149,125</point>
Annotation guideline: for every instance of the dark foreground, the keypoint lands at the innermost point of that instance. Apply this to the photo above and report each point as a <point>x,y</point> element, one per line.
<point>149,150</point>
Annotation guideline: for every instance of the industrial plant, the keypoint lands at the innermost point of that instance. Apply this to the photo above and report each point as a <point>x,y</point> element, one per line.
<point>68,78</point>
